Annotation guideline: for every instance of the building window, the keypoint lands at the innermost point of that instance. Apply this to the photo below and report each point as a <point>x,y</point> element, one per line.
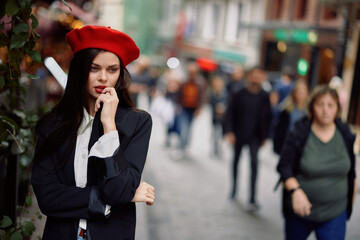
<point>330,13</point>
<point>168,10</point>
<point>193,16</point>
<point>240,9</point>
<point>214,20</point>
<point>238,17</point>
<point>277,8</point>
<point>300,9</point>
<point>164,12</point>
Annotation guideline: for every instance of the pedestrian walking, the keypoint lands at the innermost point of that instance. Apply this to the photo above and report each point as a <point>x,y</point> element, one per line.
<point>317,167</point>
<point>165,105</point>
<point>172,90</point>
<point>247,122</point>
<point>235,81</point>
<point>292,109</point>
<point>282,88</point>
<point>91,147</point>
<point>141,79</point>
<point>190,98</point>
<point>218,101</point>
<point>285,84</point>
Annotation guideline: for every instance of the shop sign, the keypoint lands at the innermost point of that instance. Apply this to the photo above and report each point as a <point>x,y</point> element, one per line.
<point>296,35</point>
<point>229,56</point>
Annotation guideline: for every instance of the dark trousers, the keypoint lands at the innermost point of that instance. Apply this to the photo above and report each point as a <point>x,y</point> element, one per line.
<point>297,228</point>
<point>254,146</point>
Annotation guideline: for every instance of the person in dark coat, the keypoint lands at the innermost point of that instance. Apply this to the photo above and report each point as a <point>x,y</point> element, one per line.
<point>317,167</point>
<point>91,147</point>
<point>292,109</point>
<point>247,122</point>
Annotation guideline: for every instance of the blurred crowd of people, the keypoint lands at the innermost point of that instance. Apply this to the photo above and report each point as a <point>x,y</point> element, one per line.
<point>314,146</point>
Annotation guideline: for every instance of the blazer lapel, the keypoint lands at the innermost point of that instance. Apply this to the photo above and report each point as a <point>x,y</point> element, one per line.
<point>96,133</point>
<point>97,130</point>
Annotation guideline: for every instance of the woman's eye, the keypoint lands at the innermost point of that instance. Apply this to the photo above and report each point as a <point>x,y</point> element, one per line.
<point>112,70</point>
<point>93,69</point>
<point>319,105</point>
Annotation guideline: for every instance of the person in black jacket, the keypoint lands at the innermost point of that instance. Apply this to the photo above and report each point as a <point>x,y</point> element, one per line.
<point>292,109</point>
<point>91,147</point>
<point>317,167</point>
<point>247,122</point>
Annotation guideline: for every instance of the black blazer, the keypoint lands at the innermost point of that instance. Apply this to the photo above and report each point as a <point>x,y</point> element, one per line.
<point>281,129</point>
<point>111,181</point>
<point>235,116</point>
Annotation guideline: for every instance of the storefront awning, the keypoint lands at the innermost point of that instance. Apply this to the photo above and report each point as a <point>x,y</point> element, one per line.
<point>207,64</point>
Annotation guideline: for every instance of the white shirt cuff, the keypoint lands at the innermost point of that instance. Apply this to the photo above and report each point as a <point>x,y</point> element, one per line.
<point>106,145</point>
<point>107,210</point>
<point>83,223</point>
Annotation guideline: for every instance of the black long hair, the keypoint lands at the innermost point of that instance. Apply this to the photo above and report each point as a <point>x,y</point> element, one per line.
<point>68,113</point>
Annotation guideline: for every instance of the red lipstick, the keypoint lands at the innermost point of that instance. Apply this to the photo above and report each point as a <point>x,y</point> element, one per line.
<point>99,88</point>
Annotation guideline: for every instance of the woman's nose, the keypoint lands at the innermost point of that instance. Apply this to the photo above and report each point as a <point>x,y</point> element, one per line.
<point>327,109</point>
<point>103,76</point>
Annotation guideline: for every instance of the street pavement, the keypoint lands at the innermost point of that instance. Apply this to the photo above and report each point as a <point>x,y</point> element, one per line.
<point>192,193</point>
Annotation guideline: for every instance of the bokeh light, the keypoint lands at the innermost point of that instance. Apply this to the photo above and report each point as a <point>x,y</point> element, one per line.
<point>173,62</point>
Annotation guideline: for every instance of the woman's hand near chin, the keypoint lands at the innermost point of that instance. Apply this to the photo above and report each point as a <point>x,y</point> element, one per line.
<point>109,100</point>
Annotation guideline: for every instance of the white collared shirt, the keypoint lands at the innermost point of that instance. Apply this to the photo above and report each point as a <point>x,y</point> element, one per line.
<point>104,147</point>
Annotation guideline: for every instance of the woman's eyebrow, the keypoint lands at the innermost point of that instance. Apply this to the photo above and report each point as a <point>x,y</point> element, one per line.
<point>98,65</point>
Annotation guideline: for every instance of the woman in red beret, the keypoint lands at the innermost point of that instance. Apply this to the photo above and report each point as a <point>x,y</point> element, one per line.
<point>91,147</point>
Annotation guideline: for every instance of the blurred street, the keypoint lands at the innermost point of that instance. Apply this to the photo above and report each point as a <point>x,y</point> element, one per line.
<point>192,194</point>
<point>245,68</point>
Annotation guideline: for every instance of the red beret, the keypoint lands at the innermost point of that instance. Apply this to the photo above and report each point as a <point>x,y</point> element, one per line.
<point>104,38</point>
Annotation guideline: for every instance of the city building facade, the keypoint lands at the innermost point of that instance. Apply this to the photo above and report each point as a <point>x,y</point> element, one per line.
<point>219,30</point>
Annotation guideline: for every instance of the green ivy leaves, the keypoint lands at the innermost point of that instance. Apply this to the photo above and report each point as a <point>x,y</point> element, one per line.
<point>23,37</point>
<point>18,37</point>
<point>35,55</point>
<point>21,27</point>
<point>11,8</point>
<point>16,236</point>
<point>18,40</point>
<point>5,222</point>
<point>26,228</point>
<point>34,21</point>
